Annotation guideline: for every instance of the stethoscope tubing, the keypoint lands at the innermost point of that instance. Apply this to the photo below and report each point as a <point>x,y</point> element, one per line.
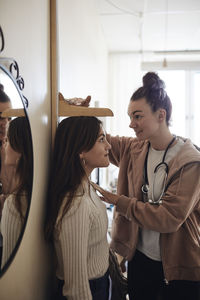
<point>145,186</point>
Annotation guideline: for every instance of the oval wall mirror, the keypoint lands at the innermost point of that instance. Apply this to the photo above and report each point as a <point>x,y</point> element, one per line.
<point>16,167</point>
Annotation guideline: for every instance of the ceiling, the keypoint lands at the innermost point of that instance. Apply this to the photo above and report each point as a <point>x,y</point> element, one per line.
<point>146,26</point>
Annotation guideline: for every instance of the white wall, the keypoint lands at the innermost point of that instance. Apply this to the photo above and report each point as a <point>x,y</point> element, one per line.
<point>125,76</point>
<point>82,51</point>
<point>83,55</point>
<point>25,26</point>
<point>83,71</point>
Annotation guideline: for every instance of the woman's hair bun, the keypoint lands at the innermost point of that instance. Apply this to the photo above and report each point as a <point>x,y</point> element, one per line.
<point>151,80</point>
<point>1,87</point>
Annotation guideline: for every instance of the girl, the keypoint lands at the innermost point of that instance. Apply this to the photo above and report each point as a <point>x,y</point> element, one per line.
<point>5,103</point>
<point>76,218</point>
<point>18,182</point>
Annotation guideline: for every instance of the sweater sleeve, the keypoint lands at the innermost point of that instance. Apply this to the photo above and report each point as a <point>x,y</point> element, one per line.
<point>74,243</point>
<point>11,225</point>
<point>118,146</point>
<point>178,202</point>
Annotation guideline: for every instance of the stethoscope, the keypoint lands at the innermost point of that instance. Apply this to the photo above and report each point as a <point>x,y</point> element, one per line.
<point>145,186</point>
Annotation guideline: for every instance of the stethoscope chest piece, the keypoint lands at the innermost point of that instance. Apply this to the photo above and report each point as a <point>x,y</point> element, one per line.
<point>145,188</point>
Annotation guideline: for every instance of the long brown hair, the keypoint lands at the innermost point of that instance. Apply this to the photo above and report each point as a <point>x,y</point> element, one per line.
<point>73,135</point>
<point>19,136</point>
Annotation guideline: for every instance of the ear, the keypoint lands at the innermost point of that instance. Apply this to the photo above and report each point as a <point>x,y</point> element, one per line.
<point>18,156</point>
<point>161,115</point>
<point>81,155</point>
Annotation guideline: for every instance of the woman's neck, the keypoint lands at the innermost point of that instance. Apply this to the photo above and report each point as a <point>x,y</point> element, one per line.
<point>162,141</point>
<point>88,171</point>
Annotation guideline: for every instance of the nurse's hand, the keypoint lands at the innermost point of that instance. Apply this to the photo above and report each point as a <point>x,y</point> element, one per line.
<point>107,196</point>
<point>122,262</point>
<point>79,101</point>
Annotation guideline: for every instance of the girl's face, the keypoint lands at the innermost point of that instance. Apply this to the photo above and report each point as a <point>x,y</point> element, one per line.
<point>11,157</point>
<point>97,156</point>
<point>143,121</point>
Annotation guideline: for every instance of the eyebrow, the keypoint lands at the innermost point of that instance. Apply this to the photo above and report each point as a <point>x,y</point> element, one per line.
<point>134,112</point>
<point>102,134</point>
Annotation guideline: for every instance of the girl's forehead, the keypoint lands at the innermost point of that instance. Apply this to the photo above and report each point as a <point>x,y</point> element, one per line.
<point>101,130</point>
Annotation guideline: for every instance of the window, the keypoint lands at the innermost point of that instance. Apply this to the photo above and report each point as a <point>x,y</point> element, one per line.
<point>196,111</point>
<point>183,88</point>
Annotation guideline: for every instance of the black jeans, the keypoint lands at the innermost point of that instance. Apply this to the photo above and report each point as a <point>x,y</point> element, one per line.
<point>100,287</point>
<point>146,282</point>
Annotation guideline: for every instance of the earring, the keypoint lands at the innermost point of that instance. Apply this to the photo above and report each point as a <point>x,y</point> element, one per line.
<point>83,160</point>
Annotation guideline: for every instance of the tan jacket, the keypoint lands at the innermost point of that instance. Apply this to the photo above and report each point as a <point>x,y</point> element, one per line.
<point>177,218</point>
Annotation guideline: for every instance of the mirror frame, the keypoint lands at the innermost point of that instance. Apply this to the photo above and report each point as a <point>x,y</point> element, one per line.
<point>9,66</point>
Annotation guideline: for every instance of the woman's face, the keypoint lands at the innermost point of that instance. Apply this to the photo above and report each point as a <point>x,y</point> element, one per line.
<point>97,156</point>
<point>143,121</point>
<point>4,121</point>
<point>11,157</point>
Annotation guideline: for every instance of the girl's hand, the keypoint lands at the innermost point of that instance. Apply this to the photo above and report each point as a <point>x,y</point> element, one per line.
<point>107,196</point>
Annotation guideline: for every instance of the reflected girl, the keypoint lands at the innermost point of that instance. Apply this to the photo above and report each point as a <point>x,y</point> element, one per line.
<point>17,183</point>
<point>77,219</point>
<point>5,103</point>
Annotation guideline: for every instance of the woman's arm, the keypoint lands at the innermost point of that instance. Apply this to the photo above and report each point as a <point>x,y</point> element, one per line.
<point>120,146</point>
<point>180,199</point>
<point>74,243</point>
<point>8,176</point>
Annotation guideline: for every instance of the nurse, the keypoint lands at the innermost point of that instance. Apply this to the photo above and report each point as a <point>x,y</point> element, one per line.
<point>157,217</point>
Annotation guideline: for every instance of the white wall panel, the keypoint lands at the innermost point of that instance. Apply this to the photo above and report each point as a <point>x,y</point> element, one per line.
<point>25,26</point>
<point>83,71</point>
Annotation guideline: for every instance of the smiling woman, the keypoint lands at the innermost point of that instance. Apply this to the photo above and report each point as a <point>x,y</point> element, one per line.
<point>157,205</point>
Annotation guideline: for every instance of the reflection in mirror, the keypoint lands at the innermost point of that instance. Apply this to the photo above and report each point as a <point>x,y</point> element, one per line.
<point>16,163</point>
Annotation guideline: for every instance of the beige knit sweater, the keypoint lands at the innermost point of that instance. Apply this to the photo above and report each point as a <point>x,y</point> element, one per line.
<point>81,244</point>
<point>11,225</point>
